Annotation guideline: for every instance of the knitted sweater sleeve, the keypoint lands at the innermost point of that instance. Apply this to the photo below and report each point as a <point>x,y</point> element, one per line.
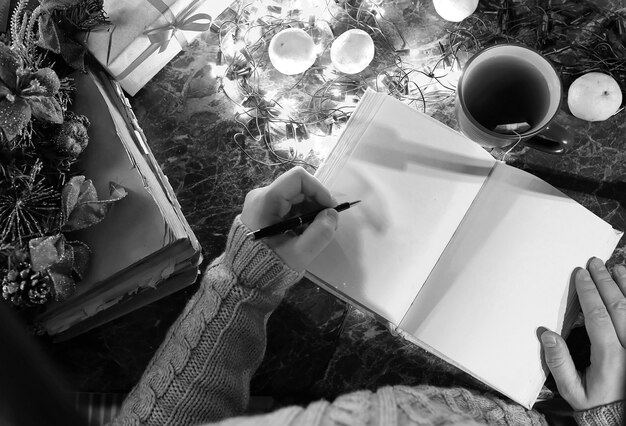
<point>606,415</point>
<point>202,370</point>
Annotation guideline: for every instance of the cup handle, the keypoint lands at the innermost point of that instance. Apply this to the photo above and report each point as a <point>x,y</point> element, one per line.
<point>553,139</point>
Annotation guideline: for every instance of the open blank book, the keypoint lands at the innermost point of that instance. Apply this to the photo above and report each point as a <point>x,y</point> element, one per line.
<point>466,256</point>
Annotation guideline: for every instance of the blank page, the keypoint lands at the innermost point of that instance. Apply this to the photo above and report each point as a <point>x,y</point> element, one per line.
<point>506,273</point>
<point>416,179</point>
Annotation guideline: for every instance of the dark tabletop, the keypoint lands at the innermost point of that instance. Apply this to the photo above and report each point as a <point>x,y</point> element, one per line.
<point>318,346</point>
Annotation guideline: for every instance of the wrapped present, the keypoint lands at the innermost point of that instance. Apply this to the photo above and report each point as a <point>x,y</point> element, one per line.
<point>147,34</point>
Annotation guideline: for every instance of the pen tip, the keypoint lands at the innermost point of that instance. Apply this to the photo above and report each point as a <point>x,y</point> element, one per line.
<point>355,202</point>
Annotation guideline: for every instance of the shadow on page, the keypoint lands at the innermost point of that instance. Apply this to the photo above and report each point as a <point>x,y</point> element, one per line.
<point>414,195</point>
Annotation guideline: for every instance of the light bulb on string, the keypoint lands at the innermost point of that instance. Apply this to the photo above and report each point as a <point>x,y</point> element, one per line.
<point>218,71</point>
<point>232,46</point>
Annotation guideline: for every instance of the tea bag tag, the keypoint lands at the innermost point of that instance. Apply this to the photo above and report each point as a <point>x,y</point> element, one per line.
<point>512,128</point>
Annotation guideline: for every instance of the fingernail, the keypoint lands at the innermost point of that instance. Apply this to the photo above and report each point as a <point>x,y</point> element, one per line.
<point>583,274</point>
<point>548,340</point>
<point>597,263</point>
<point>621,270</point>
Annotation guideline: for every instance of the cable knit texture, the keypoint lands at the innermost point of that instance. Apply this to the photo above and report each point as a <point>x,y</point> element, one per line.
<point>201,373</point>
<point>610,414</point>
<point>202,370</point>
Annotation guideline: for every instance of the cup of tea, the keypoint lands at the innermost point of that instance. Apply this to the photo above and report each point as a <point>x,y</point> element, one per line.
<point>509,93</point>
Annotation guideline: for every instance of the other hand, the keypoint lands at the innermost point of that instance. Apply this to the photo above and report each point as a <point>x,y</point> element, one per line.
<point>271,204</point>
<point>603,302</point>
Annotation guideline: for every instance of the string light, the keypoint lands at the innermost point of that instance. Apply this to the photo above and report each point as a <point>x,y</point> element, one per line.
<point>218,71</point>
<point>294,127</point>
<point>305,116</point>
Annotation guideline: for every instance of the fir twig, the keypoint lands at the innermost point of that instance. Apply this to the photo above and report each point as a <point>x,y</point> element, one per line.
<point>16,19</point>
<point>23,28</point>
<point>26,207</point>
<point>30,32</point>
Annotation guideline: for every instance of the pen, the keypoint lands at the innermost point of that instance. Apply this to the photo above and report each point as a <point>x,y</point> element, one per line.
<point>294,222</point>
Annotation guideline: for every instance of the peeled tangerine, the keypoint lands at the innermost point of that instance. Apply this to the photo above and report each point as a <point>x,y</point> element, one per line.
<point>594,96</point>
<point>352,51</point>
<point>292,51</point>
<point>455,10</point>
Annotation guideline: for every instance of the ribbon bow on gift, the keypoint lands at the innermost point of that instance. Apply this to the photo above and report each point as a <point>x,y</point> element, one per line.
<point>185,21</point>
<point>161,36</point>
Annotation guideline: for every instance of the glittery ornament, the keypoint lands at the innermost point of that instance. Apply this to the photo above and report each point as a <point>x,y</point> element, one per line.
<point>72,137</point>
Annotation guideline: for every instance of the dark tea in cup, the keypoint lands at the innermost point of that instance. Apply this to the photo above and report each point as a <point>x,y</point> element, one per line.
<point>509,93</point>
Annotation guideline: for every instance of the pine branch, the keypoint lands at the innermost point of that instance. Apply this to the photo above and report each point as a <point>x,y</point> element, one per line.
<point>31,33</point>
<point>16,22</point>
<point>27,207</point>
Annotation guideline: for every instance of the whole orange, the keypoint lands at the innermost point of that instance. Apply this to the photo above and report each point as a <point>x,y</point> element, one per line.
<point>292,51</point>
<point>594,96</point>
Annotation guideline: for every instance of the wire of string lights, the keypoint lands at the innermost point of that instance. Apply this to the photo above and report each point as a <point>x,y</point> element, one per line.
<point>272,108</point>
<point>287,115</point>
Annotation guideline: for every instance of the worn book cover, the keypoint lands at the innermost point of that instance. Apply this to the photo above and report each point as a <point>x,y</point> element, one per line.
<point>145,240</point>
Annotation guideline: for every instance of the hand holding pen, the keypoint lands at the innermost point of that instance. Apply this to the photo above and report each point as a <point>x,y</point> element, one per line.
<point>295,222</point>
<point>271,204</point>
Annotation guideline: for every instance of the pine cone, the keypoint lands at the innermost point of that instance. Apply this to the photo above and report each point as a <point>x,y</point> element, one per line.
<point>24,287</point>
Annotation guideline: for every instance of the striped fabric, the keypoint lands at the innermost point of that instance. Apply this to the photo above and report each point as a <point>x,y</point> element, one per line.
<point>5,15</point>
<point>98,408</point>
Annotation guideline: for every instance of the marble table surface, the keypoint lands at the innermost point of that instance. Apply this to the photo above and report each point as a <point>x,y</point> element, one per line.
<point>318,346</point>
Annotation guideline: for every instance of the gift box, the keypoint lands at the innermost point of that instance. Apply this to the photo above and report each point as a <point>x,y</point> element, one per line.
<point>146,34</point>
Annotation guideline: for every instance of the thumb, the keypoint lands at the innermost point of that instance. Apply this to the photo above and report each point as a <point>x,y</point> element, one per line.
<point>562,367</point>
<point>317,235</point>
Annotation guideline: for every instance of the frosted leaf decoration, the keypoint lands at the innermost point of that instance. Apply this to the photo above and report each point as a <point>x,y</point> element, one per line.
<point>25,94</point>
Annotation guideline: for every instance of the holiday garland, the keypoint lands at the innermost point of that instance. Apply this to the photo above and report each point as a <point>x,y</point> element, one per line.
<point>576,36</point>
<point>42,197</point>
